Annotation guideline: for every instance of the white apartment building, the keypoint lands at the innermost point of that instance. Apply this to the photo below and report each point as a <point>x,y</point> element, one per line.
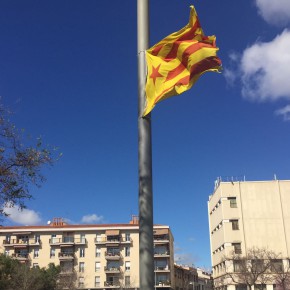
<point>247,214</point>
<point>103,256</point>
<point>204,280</point>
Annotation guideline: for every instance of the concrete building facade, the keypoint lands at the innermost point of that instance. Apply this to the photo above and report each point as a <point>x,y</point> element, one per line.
<point>245,215</point>
<point>104,256</point>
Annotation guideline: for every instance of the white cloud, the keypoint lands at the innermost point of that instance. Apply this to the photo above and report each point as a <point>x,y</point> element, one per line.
<point>230,76</point>
<point>265,69</point>
<point>274,11</point>
<point>23,217</point>
<point>92,218</point>
<point>284,112</point>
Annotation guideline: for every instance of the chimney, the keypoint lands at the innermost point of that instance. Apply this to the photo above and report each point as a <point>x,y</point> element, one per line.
<point>134,220</point>
<point>57,221</point>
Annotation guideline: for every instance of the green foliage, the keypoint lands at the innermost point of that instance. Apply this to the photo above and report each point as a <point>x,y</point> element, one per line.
<point>14,275</point>
<point>20,165</point>
<point>7,267</point>
<point>50,277</point>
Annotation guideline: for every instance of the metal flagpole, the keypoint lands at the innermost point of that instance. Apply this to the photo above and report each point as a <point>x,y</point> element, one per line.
<point>146,256</point>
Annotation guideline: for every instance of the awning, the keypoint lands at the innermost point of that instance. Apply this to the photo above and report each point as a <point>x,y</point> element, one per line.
<point>21,233</point>
<point>160,232</point>
<point>112,232</point>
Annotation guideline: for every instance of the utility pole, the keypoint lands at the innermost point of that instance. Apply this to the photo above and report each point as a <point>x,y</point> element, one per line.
<point>146,255</point>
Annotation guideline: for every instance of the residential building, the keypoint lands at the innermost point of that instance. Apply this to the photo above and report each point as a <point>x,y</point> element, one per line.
<point>190,278</point>
<point>204,281</point>
<point>185,277</point>
<point>244,215</point>
<point>102,256</point>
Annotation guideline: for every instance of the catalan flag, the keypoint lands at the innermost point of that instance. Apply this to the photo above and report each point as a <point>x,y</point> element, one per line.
<point>176,62</point>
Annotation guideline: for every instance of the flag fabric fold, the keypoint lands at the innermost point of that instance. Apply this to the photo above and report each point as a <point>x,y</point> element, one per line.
<point>176,62</point>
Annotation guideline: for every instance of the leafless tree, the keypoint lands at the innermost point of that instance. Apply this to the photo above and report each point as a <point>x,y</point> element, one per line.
<point>281,274</point>
<point>20,165</point>
<point>253,268</point>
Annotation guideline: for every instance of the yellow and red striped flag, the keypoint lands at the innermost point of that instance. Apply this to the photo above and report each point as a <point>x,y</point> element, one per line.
<point>176,62</point>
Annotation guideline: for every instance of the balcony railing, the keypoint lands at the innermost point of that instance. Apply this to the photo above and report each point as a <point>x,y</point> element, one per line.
<point>66,272</point>
<point>112,284</point>
<point>66,255</point>
<point>20,256</point>
<point>63,240</point>
<point>161,238</point>
<point>162,268</point>
<point>80,241</point>
<point>106,240</point>
<point>163,283</point>
<point>113,240</point>
<point>112,255</point>
<point>161,254</point>
<point>21,242</point>
<point>112,269</point>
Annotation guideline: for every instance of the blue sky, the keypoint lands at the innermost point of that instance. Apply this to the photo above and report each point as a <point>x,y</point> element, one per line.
<point>68,69</point>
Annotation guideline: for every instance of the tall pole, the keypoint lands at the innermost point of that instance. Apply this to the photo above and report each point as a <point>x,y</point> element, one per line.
<point>146,256</point>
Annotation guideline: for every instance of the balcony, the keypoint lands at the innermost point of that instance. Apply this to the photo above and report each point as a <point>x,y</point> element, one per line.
<point>80,241</point>
<point>22,257</point>
<point>108,241</point>
<point>162,269</point>
<point>22,243</point>
<point>113,256</point>
<point>163,284</point>
<point>66,272</point>
<point>112,270</point>
<point>126,241</point>
<point>63,256</point>
<point>16,242</point>
<point>164,254</point>
<point>112,284</point>
<point>64,241</point>
<point>161,239</point>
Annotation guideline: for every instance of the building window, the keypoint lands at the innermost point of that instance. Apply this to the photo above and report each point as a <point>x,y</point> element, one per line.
<point>82,267</point>
<point>37,239</point>
<point>258,265</point>
<point>277,266</point>
<point>6,253</point>
<point>233,201</point>
<point>98,252</point>
<point>97,281</point>
<point>81,281</point>
<point>82,252</point>
<point>127,266</point>
<point>127,280</point>
<point>241,287</point>
<point>82,238</point>
<point>237,248</point>
<point>98,238</point>
<point>127,237</point>
<point>53,239</point>
<point>8,238</point>
<point>35,265</point>
<point>237,266</point>
<point>260,287</point>
<point>98,266</point>
<point>235,225</point>
<point>52,252</point>
<point>36,253</point>
<point>127,251</point>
